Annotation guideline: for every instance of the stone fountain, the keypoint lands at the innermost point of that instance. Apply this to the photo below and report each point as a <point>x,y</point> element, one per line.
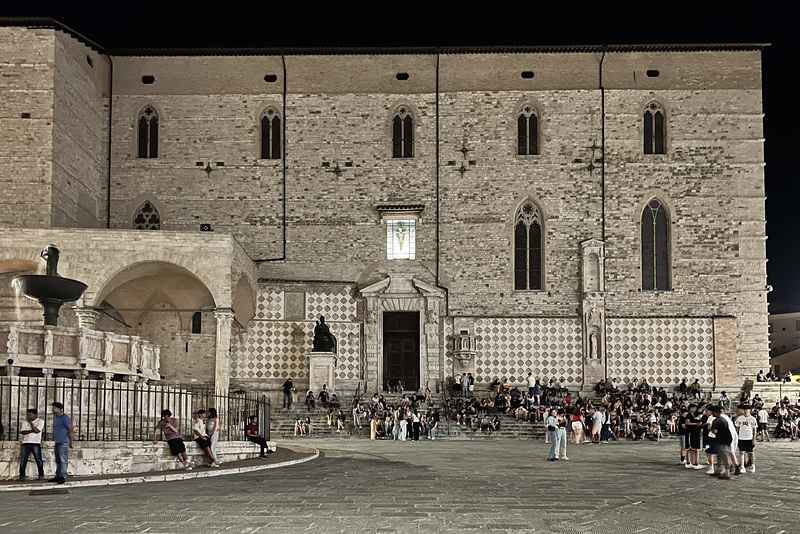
<point>51,290</point>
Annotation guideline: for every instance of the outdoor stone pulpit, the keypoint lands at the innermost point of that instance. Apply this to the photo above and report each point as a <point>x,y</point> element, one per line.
<point>320,370</point>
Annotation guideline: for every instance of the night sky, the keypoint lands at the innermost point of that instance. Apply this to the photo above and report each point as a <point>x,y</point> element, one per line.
<point>183,24</point>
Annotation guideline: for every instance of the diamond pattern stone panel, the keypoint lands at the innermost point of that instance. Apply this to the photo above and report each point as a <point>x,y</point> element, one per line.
<point>549,348</point>
<point>274,348</point>
<point>661,350</point>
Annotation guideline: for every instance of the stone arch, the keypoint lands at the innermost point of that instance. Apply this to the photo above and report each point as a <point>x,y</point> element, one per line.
<point>110,278</point>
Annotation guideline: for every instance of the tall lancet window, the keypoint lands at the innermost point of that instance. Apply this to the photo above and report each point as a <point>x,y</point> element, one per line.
<point>655,247</point>
<point>527,131</point>
<point>654,129</point>
<point>148,133</point>
<point>528,247</point>
<point>146,217</point>
<point>270,134</point>
<point>403,133</point>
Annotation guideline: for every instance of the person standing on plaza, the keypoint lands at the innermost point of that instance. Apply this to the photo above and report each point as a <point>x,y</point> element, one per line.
<point>31,443</point>
<point>457,383</point>
<point>562,434</point>
<point>552,434</point>
<point>682,433</point>
<point>471,383</point>
<point>63,438</point>
<point>531,383</point>
<point>763,419</point>
<point>746,427</point>
<point>597,424</point>
<point>212,429</point>
<point>721,443</point>
<point>464,385</point>
<point>415,426</point>
<point>171,429</point>
<point>287,393</point>
<point>692,438</point>
<point>578,425</point>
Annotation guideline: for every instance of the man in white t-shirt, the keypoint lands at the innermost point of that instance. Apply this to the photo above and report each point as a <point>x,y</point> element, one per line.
<point>763,419</point>
<point>531,384</point>
<point>31,443</point>
<point>746,426</point>
<point>597,425</point>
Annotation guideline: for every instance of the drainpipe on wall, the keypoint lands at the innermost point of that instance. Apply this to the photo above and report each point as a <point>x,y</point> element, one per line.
<point>110,109</point>
<point>438,284</point>
<point>603,145</point>
<point>283,162</point>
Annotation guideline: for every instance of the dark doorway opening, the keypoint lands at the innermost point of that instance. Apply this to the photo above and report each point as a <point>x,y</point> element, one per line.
<point>401,349</point>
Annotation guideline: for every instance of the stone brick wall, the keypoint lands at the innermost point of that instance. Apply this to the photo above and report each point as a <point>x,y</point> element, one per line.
<point>80,135</point>
<point>88,458</point>
<point>26,84</point>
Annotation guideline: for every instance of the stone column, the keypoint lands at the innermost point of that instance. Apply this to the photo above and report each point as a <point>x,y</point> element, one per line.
<point>87,317</point>
<point>222,372</point>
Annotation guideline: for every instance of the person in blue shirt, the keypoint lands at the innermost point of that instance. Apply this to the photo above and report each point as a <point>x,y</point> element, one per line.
<point>63,437</point>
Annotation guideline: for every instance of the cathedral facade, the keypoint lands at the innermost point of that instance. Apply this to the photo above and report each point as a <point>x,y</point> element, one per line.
<point>572,212</point>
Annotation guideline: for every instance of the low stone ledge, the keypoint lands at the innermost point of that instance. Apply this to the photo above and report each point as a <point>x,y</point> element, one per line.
<point>88,458</point>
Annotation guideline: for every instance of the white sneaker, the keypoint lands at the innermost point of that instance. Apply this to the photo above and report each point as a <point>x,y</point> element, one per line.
<point>214,464</point>
<point>753,469</point>
<point>188,467</point>
<point>687,465</point>
<point>710,471</point>
<point>697,466</point>
<point>564,458</point>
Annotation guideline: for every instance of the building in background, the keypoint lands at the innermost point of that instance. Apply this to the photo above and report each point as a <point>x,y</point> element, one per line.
<point>577,212</point>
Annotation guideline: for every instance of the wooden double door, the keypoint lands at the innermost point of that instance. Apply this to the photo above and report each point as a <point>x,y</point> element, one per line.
<point>401,349</point>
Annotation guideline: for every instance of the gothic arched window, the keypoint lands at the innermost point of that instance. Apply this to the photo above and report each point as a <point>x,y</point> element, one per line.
<point>403,133</point>
<point>655,246</point>
<point>654,129</point>
<point>146,217</point>
<point>528,247</point>
<point>148,133</point>
<point>270,134</point>
<point>527,131</point>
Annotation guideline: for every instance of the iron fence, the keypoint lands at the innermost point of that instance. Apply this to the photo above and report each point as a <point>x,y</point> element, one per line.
<point>120,411</point>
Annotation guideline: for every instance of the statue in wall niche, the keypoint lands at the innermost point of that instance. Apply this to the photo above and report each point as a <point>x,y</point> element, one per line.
<point>48,343</point>
<point>12,345</point>
<point>108,352</point>
<point>156,358</point>
<point>83,346</point>
<point>594,317</point>
<point>323,339</point>
<point>143,360</point>
<point>593,346</point>
<point>134,360</point>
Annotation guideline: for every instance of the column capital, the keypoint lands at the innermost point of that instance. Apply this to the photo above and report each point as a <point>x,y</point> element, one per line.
<point>87,317</point>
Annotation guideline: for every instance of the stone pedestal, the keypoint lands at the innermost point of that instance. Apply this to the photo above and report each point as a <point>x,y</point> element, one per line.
<point>320,370</point>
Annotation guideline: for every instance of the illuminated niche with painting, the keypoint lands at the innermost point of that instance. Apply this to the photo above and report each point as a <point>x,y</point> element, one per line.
<point>401,230</point>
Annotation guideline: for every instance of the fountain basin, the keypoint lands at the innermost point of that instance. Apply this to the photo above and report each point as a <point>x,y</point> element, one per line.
<point>50,291</point>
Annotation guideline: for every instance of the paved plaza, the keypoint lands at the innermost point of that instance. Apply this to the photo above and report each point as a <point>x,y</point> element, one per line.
<point>359,486</point>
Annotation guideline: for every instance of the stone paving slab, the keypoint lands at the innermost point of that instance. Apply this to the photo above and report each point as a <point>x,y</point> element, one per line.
<point>360,486</point>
